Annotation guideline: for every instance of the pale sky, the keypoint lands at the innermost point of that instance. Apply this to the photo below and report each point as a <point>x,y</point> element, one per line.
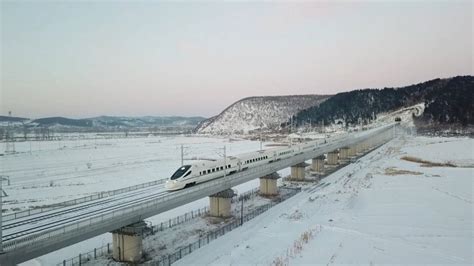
<point>133,58</point>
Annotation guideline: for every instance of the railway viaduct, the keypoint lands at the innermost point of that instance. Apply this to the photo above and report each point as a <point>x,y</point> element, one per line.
<point>125,218</point>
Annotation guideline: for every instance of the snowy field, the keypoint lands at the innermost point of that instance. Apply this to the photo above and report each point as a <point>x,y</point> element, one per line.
<point>56,171</point>
<point>43,173</point>
<point>380,210</point>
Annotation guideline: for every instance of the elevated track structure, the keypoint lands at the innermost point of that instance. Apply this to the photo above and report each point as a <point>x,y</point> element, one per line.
<point>27,237</point>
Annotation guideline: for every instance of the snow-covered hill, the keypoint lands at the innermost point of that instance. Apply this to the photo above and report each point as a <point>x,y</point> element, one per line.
<point>102,123</point>
<point>267,112</point>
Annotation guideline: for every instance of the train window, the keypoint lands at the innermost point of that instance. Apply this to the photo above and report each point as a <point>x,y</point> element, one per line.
<point>228,166</point>
<point>208,171</point>
<point>180,172</point>
<point>188,174</point>
<point>222,168</point>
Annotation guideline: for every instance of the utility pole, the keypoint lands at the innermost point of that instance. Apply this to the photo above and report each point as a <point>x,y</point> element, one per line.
<point>225,163</point>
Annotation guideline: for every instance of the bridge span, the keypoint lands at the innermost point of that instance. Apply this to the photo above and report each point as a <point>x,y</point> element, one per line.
<point>28,237</point>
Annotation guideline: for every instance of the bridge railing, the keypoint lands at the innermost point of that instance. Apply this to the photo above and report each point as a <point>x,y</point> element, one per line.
<point>116,216</point>
<point>136,212</point>
<point>107,249</point>
<point>96,196</point>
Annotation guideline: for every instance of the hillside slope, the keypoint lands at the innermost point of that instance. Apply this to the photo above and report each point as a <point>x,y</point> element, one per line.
<point>446,100</point>
<point>266,112</point>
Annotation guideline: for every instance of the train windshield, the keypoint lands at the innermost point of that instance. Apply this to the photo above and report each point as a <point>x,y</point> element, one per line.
<point>180,172</point>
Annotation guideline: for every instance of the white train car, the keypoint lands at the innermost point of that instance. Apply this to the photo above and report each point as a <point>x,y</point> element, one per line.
<point>204,171</point>
<point>201,171</point>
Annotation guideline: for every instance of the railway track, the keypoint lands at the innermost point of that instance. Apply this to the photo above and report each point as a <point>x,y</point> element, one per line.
<point>104,207</point>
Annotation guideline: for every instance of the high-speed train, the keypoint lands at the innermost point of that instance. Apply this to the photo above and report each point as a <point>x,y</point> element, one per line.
<point>203,171</point>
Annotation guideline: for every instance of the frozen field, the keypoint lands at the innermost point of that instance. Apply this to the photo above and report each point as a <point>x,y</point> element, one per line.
<point>380,210</point>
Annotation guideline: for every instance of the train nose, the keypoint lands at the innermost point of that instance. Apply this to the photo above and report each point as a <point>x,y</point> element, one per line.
<point>171,185</point>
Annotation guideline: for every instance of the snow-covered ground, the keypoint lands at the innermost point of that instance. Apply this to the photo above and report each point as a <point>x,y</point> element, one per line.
<point>56,171</point>
<point>380,210</point>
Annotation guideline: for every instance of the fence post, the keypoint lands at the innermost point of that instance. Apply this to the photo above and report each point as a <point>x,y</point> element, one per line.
<point>108,248</point>
<point>80,262</point>
<point>64,262</point>
<point>189,248</point>
<point>95,253</point>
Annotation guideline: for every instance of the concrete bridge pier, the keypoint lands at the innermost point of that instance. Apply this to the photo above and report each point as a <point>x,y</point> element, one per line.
<point>268,185</point>
<point>127,243</point>
<point>298,172</point>
<point>352,151</point>
<point>333,157</point>
<point>361,147</point>
<point>317,164</point>
<point>219,203</point>
<point>344,153</point>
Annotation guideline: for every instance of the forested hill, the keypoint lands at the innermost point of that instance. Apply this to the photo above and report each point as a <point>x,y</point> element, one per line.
<point>453,103</point>
<point>446,101</point>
